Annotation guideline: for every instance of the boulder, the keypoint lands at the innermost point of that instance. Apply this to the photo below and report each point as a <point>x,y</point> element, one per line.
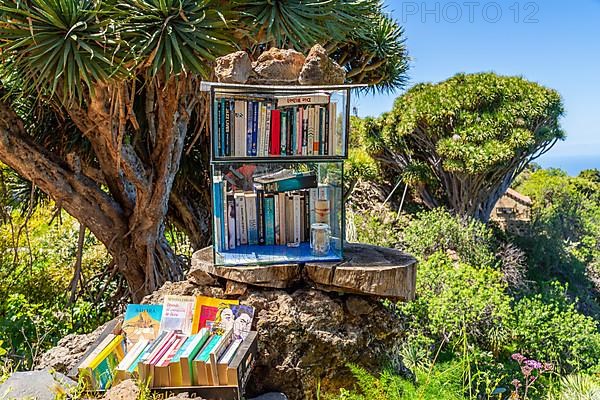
<point>277,66</point>
<point>41,385</point>
<point>319,69</point>
<point>126,390</point>
<point>233,68</point>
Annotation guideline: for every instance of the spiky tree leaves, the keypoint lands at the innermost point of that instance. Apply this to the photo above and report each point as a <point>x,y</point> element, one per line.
<point>106,99</point>
<point>463,141</point>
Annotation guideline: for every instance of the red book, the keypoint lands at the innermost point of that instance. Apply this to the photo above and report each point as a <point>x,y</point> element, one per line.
<point>275,145</point>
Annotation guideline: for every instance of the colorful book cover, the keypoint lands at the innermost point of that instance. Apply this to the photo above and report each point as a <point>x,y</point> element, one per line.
<point>242,324</point>
<point>269,220</point>
<point>178,312</point>
<point>207,310</point>
<point>249,124</point>
<point>142,321</point>
<point>255,122</point>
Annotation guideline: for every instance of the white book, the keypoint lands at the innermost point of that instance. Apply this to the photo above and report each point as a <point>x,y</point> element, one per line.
<point>178,312</point>
<point>133,354</point>
<point>297,220</point>
<point>262,142</point>
<point>230,352</point>
<point>312,197</point>
<point>240,216</point>
<point>311,131</point>
<point>282,219</point>
<point>240,128</point>
<point>251,218</point>
<point>332,129</point>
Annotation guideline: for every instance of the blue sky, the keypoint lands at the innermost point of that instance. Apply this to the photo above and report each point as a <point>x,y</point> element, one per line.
<point>555,43</point>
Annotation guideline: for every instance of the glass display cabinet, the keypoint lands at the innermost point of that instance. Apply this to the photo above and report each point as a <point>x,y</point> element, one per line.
<point>277,172</point>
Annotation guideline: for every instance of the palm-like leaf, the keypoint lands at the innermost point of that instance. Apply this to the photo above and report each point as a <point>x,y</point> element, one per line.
<point>58,44</point>
<point>174,36</point>
<point>300,24</point>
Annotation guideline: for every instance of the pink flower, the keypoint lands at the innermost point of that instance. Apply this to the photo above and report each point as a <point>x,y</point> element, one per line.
<point>548,366</point>
<point>526,370</point>
<point>518,357</point>
<point>533,364</point>
<point>516,383</point>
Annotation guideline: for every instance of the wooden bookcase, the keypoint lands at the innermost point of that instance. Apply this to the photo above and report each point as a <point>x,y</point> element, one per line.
<point>277,156</point>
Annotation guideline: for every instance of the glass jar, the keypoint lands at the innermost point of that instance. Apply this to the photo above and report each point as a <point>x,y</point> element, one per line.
<point>319,239</point>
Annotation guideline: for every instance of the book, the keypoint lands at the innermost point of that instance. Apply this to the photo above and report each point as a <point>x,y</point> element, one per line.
<point>124,370</point>
<point>297,220</point>
<point>161,368</point>
<point>252,217</point>
<point>180,368</point>
<point>243,314</point>
<point>201,373</point>
<point>141,321</point>
<point>207,310</point>
<point>255,120</point>
<point>178,312</point>
<point>216,353</point>
<point>161,350</point>
<point>260,216</point>
<point>220,127</point>
<point>275,135</point>
<point>267,133</point>
<point>240,222</point>
<point>287,180</point>
<point>99,372</point>
<point>283,135</point>
<point>240,366</point>
<point>269,213</point>
<point>304,124</point>
<point>231,222</point>
<point>249,125</point>
<point>225,359</point>
<point>282,219</point>
<point>240,128</point>
<point>276,227</point>
<point>310,131</point>
<point>299,100</point>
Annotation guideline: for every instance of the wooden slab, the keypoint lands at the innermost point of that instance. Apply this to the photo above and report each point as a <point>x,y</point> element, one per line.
<point>370,270</point>
<point>273,276</point>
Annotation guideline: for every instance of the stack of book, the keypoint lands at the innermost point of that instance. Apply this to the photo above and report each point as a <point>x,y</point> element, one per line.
<point>187,341</point>
<point>278,212</point>
<point>301,125</point>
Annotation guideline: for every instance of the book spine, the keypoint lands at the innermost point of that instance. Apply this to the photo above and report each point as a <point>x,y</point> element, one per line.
<point>297,219</point>
<point>219,128</point>
<point>275,148</point>
<point>238,219</point>
<point>289,219</point>
<point>269,207</point>
<point>283,133</point>
<point>255,115</point>
<point>240,129</point>
<point>292,139</point>
<point>222,130</point>
<point>249,115</point>
<point>334,131</point>
<point>321,131</point>
<point>313,194</point>
<point>229,132</point>
<point>252,219</point>
<point>302,219</point>
<point>326,130</point>
<point>311,131</point>
<point>276,219</point>
<point>262,134</point>
<point>215,128</point>
<point>231,219</point>
<point>260,216</point>
<point>267,135</point>
<point>225,219</point>
<point>282,219</point>
<point>217,224</point>
<point>242,223</point>
<point>305,114</point>
<point>306,215</point>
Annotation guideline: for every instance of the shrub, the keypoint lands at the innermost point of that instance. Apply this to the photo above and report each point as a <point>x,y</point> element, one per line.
<point>548,327</point>
<point>577,387</point>
<point>438,230</point>
<point>458,301</point>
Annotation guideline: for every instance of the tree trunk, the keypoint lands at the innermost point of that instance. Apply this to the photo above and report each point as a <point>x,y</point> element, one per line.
<point>138,173</point>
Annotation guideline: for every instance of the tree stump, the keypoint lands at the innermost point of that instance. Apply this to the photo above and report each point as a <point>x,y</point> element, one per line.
<point>367,270</point>
<point>370,270</point>
<point>273,276</point>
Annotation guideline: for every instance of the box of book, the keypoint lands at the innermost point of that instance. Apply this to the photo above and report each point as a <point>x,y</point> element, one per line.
<point>189,343</point>
<point>293,122</point>
<point>266,212</point>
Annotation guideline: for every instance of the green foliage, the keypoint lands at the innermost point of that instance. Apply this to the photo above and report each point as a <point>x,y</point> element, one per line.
<point>466,138</point>
<point>443,382</point>
<point>547,327</point>
<point>460,304</point>
<point>438,230</point>
<point>378,227</point>
<point>577,387</point>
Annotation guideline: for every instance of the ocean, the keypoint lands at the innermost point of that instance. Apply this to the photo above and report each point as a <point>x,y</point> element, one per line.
<point>571,164</point>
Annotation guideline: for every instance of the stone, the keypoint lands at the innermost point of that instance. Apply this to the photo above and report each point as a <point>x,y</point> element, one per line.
<point>233,68</point>
<point>43,384</point>
<point>319,69</point>
<point>368,270</point>
<point>125,390</point>
<point>271,396</point>
<point>358,306</point>
<point>233,288</point>
<point>277,66</point>
<point>274,276</point>
<point>307,337</point>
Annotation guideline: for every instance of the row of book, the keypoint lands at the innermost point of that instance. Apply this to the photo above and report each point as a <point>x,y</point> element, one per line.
<point>276,216</point>
<point>304,125</point>
<point>186,341</point>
